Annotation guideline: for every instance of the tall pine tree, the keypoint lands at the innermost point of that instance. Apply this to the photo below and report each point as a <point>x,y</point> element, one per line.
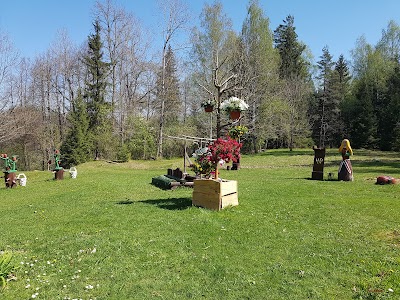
<point>296,84</point>
<point>95,94</point>
<point>325,114</point>
<point>340,91</point>
<point>76,148</point>
<point>290,50</point>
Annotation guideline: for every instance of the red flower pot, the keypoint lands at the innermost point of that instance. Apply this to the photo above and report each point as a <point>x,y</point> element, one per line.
<point>208,108</point>
<point>234,114</point>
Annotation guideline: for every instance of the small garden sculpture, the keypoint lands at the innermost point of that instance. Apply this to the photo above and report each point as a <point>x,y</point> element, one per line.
<point>10,167</point>
<point>59,171</point>
<point>345,172</point>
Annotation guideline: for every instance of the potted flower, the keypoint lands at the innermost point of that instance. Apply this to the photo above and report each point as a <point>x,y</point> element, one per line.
<point>215,193</point>
<point>208,105</point>
<point>202,165</point>
<point>234,106</point>
<point>237,132</point>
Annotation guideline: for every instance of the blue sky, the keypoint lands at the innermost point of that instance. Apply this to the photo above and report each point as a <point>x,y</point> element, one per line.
<point>33,24</point>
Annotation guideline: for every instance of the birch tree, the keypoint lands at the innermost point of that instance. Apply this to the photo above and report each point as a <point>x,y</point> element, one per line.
<point>215,47</point>
<point>258,70</point>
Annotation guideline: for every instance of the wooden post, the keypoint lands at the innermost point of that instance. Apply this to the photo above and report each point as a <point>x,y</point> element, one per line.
<point>319,159</point>
<point>59,174</point>
<point>216,171</point>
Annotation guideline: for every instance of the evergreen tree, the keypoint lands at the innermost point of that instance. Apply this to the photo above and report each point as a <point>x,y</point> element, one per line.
<point>290,50</point>
<point>326,115</point>
<point>95,93</point>
<point>390,122</point>
<point>340,90</point>
<point>76,148</point>
<point>170,93</point>
<point>343,75</point>
<point>295,85</point>
<point>359,117</point>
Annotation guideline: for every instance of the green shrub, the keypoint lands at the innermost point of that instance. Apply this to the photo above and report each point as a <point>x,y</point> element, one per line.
<point>123,153</point>
<point>6,267</point>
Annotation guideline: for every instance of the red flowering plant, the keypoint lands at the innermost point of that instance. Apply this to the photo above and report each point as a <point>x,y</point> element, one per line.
<point>218,152</point>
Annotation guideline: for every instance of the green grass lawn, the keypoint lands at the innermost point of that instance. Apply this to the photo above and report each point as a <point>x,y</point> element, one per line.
<point>110,234</point>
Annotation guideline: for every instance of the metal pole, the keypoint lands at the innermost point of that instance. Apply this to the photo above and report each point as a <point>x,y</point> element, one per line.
<point>211,125</point>
<point>184,159</point>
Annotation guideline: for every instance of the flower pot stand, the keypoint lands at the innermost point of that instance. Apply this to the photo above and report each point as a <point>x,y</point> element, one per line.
<point>215,194</point>
<point>59,174</point>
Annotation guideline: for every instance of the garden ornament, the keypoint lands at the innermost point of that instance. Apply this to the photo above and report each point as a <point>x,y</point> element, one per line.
<point>345,172</point>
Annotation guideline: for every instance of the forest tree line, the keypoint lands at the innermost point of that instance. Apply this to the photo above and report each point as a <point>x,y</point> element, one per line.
<point>109,99</point>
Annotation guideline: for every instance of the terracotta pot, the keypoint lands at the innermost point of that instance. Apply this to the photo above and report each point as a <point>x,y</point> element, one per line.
<point>234,114</point>
<point>208,108</point>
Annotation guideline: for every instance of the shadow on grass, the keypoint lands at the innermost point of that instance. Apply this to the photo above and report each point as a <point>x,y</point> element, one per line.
<point>376,166</point>
<point>285,152</point>
<point>125,202</point>
<point>170,203</point>
<point>330,152</point>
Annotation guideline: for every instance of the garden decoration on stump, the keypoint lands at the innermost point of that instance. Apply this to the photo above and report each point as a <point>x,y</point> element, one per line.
<point>319,159</point>
<point>58,170</point>
<point>234,106</point>
<point>215,193</point>
<point>10,168</point>
<point>345,172</point>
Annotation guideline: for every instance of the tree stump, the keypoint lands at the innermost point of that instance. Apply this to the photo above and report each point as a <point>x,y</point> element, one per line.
<point>59,174</point>
<point>10,179</point>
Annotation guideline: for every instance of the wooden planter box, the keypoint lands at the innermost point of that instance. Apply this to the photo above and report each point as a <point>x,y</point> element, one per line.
<point>214,194</point>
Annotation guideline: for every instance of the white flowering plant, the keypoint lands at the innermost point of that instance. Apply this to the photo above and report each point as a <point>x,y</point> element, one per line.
<point>208,102</point>
<point>234,104</point>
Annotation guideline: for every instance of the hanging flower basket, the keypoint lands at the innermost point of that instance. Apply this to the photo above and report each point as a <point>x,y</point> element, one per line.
<point>234,106</point>
<point>208,105</point>
<point>234,114</point>
<point>208,108</point>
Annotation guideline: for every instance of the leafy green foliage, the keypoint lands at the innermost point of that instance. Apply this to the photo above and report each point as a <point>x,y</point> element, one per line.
<point>141,139</point>
<point>123,154</point>
<point>76,149</point>
<point>6,267</point>
<point>388,125</point>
